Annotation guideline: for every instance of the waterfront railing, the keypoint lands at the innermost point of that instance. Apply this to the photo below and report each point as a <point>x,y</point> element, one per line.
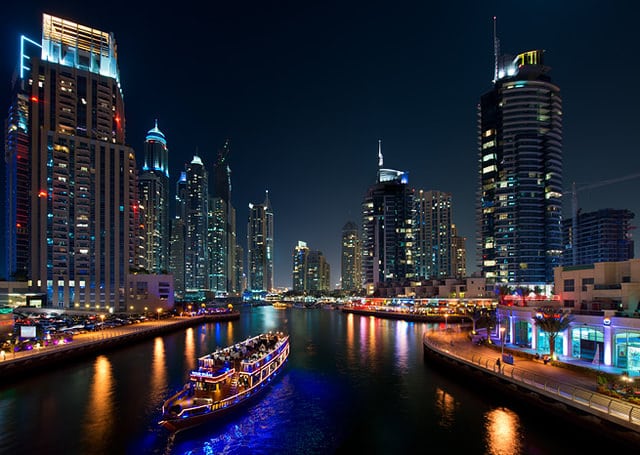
<point>599,404</point>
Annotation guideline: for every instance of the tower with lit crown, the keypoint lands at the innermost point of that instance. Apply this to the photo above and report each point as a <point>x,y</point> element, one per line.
<point>519,237</point>
<point>387,228</point>
<point>153,187</point>
<point>72,193</point>
<point>260,247</point>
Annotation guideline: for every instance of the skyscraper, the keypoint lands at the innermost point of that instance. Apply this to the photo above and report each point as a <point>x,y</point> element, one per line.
<point>260,247</point>
<point>153,187</point>
<point>300,257</point>
<point>196,264</point>
<point>433,249</point>
<point>311,271</point>
<point>387,228</point>
<point>178,236</point>
<point>222,226</point>
<point>519,238</point>
<point>603,236</point>
<point>351,271</point>
<point>72,195</point>
<point>459,256</point>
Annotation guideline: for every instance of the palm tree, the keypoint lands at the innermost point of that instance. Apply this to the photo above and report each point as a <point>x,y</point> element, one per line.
<point>503,291</point>
<point>476,315</point>
<point>552,321</point>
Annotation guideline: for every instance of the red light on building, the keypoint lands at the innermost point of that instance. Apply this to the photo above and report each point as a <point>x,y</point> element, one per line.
<point>42,194</point>
<point>34,99</point>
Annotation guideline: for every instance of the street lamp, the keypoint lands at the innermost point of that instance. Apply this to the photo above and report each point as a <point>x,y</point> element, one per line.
<point>446,323</point>
<point>159,311</point>
<point>502,336</point>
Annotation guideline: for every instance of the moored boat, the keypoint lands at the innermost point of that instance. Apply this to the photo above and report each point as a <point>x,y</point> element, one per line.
<point>225,379</point>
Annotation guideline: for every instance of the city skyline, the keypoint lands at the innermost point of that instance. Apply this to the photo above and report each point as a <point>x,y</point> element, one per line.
<point>305,92</point>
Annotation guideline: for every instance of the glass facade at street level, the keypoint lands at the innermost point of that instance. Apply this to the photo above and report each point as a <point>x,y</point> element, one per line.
<point>153,187</point>
<point>387,234</point>
<point>519,237</point>
<point>260,247</point>
<point>72,196</point>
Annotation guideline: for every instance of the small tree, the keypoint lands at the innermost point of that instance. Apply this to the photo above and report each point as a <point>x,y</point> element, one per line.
<point>476,315</point>
<point>552,321</point>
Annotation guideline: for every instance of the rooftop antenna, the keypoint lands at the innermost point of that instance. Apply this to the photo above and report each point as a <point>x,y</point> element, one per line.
<point>496,49</point>
<point>380,153</point>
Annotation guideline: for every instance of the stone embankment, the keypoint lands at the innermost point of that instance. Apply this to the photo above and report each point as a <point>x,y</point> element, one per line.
<point>16,365</point>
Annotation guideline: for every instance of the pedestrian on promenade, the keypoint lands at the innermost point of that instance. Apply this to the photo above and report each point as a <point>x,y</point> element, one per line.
<point>498,363</point>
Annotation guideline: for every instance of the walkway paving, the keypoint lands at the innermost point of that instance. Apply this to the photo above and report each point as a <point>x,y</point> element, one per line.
<point>461,345</point>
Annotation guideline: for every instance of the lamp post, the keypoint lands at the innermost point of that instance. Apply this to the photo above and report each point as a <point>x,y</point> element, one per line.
<point>502,330</point>
<point>159,311</point>
<point>446,323</point>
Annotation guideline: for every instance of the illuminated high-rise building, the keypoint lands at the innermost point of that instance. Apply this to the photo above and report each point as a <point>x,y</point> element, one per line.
<point>178,236</point>
<point>72,193</point>
<point>300,256</point>
<point>196,264</point>
<point>153,185</point>
<point>260,247</point>
<point>351,272</point>
<point>519,238</point>
<point>433,253</point>
<point>387,228</point>
<point>459,254</point>
<point>222,227</point>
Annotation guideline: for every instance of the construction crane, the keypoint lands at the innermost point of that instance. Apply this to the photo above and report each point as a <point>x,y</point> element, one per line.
<point>574,204</point>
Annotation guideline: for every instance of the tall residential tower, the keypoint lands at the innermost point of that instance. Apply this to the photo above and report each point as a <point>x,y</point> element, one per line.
<point>519,238</point>
<point>153,187</point>
<point>72,193</point>
<point>260,247</point>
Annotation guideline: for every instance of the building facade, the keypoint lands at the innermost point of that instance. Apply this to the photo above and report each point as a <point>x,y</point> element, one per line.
<point>459,254</point>
<point>196,263</point>
<point>223,275</point>
<point>519,238</point>
<point>351,272</point>
<point>260,247</point>
<point>433,244</point>
<point>600,236</point>
<point>387,228</point>
<point>153,185</point>
<point>72,191</point>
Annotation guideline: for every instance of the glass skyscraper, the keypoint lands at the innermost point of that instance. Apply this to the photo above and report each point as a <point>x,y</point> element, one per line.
<point>519,237</point>
<point>260,247</point>
<point>387,229</point>
<point>351,271</point>
<point>196,266</point>
<point>72,193</point>
<point>154,198</point>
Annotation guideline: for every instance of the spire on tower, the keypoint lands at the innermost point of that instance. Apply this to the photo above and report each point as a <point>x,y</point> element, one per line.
<point>496,50</point>
<point>380,160</point>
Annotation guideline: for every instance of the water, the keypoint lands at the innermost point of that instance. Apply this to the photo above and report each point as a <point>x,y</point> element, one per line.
<point>353,384</point>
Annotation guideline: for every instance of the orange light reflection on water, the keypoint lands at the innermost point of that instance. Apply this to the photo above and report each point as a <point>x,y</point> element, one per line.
<point>99,415</point>
<point>503,432</point>
<point>190,349</point>
<point>446,405</point>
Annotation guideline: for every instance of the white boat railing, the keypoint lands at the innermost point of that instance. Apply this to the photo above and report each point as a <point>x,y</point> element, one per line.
<point>598,403</point>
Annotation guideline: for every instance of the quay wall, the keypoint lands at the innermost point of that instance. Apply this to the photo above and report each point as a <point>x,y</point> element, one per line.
<point>12,369</point>
<point>540,396</point>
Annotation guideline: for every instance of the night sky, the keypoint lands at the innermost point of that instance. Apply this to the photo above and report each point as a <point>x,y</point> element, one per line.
<point>305,90</point>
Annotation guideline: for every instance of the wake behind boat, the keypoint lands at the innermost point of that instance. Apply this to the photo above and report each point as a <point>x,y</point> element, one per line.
<point>225,379</point>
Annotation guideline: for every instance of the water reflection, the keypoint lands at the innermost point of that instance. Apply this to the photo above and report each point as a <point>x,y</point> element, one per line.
<point>445,404</point>
<point>190,349</point>
<point>401,353</point>
<point>158,367</point>
<point>503,432</point>
<point>99,416</point>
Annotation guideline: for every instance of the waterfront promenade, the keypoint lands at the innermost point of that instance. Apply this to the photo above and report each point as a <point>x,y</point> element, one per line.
<point>15,364</point>
<point>574,389</point>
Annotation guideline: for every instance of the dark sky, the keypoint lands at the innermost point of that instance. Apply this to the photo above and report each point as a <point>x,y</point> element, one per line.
<point>305,89</point>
